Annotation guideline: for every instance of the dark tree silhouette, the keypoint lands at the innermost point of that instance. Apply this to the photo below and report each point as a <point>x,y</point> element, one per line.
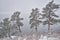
<point>15,17</point>
<point>49,15</point>
<point>34,18</point>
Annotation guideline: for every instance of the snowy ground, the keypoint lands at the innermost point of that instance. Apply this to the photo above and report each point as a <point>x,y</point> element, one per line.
<point>31,37</point>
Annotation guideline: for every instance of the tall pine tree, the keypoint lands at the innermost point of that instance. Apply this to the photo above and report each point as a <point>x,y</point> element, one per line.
<point>16,17</point>
<point>34,18</point>
<point>6,27</point>
<point>49,15</point>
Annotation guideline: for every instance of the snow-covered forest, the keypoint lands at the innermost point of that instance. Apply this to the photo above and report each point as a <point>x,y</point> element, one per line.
<point>11,28</point>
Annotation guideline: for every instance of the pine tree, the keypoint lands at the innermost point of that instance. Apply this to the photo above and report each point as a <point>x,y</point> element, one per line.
<point>2,30</point>
<point>34,19</point>
<point>16,17</point>
<point>49,15</point>
<point>6,26</point>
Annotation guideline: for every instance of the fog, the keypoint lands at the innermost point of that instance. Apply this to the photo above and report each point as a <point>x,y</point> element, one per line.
<point>8,7</point>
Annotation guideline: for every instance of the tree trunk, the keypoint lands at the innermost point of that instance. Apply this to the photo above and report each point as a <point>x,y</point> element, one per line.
<point>7,31</point>
<point>36,28</point>
<point>9,34</point>
<point>48,27</point>
<point>19,29</point>
<point>49,22</point>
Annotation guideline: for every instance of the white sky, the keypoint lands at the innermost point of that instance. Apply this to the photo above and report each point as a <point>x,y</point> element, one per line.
<point>7,7</point>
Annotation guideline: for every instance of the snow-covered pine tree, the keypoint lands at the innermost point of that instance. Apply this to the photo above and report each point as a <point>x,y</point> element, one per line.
<point>16,17</point>
<point>49,15</point>
<point>35,18</point>
<point>6,26</point>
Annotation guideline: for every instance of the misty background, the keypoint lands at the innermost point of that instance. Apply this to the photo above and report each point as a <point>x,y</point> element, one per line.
<point>8,7</point>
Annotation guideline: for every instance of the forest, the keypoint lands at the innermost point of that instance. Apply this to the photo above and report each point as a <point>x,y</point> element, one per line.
<point>12,26</point>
